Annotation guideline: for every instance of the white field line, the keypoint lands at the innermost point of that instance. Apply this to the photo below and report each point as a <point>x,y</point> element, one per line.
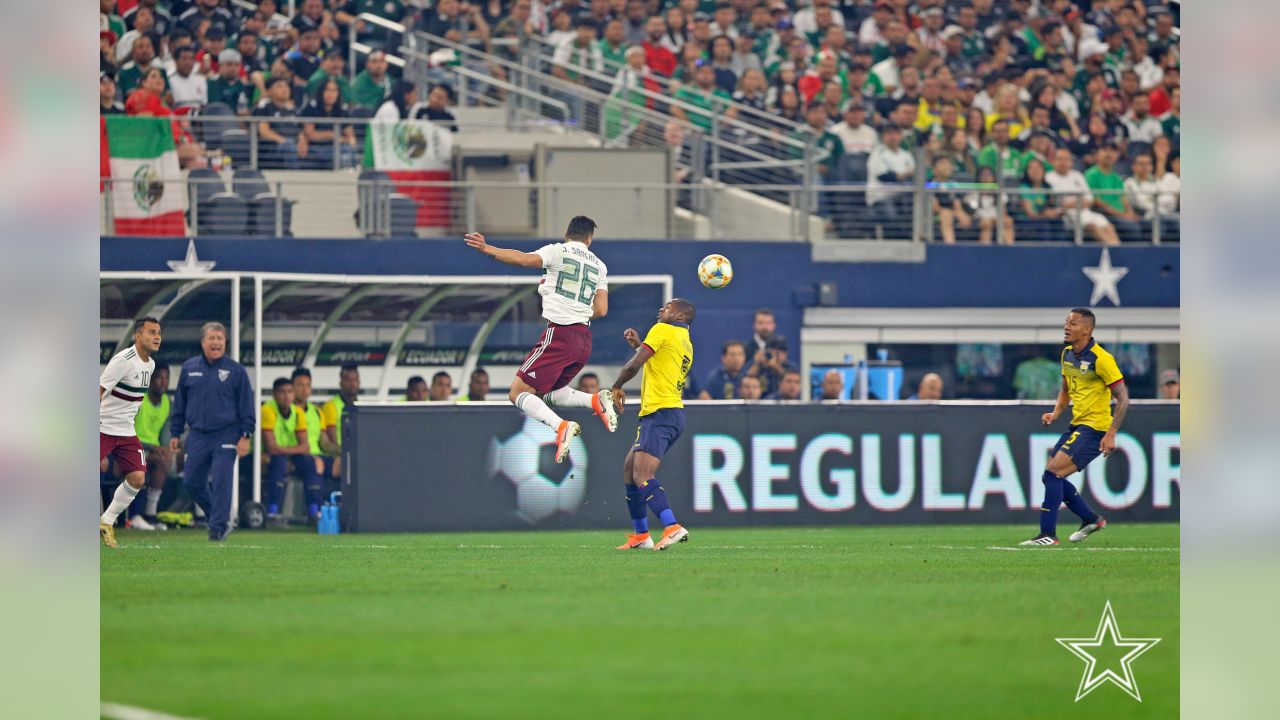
<point>116,711</point>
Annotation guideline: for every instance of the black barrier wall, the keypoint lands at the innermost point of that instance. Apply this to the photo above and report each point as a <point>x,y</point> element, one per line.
<point>486,467</point>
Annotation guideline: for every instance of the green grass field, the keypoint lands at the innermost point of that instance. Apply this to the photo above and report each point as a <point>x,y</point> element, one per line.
<point>910,622</point>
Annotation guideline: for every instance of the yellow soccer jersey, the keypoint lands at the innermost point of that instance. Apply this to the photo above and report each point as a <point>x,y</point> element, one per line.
<point>1090,376</point>
<point>286,430</point>
<point>662,385</point>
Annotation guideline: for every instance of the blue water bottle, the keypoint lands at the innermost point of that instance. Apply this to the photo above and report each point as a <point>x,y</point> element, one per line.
<point>329,515</point>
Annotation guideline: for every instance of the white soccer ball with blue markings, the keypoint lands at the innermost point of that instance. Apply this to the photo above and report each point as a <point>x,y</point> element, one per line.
<point>715,271</point>
<point>543,487</point>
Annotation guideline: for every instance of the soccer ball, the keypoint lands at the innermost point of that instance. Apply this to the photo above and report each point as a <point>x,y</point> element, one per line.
<point>715,271</point>
<point>543,487</point>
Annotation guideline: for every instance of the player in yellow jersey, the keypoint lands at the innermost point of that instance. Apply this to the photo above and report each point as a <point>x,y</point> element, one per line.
<point>1090,381</point>
<point>666,354</point>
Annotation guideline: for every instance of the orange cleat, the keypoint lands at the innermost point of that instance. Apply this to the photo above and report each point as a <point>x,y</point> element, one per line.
<point>671,535</point>
<point>602,406</point>
<point>566,432</point>
<point>637,542</point>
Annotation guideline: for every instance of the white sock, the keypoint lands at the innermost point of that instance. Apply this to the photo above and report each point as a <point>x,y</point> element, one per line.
<point>568,397</point>
<point>125,494</point>
<point>534,407</point>
<point>153,500</point>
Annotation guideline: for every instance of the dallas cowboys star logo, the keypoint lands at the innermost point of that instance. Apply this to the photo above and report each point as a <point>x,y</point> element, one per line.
<point>1105,278</point>
<point>191,263</point>
<point>1092,678</point>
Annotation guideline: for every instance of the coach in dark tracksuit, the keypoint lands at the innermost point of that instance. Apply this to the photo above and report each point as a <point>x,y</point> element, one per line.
<point>215,398</point>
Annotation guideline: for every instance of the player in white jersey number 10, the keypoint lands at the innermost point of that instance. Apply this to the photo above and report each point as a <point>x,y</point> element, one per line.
<point>120,391</point>
<point>575,291</point>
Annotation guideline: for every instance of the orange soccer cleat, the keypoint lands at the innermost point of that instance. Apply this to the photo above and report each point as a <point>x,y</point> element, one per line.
<point>567,431</point>
<point>637,542</point>
<point>671,535</point>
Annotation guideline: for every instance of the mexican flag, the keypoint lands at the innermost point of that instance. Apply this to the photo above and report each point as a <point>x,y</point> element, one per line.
<point>139,156</point>
<point>414,151</point>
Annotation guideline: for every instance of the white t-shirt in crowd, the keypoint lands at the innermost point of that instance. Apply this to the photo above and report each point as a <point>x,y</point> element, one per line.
<point>189,91</point>
<point>572,277</point>
<point>883,160</point>
<point>1073,182</point>
<point>125,382</point>
<point>861,139</point>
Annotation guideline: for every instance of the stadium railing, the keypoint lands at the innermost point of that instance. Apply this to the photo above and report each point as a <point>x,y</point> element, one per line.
<point>341,205</point>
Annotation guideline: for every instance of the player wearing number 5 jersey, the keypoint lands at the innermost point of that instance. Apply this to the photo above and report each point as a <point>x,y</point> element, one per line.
<point>1090,381</point>
<point>121,388</point>
<point>575,291</point>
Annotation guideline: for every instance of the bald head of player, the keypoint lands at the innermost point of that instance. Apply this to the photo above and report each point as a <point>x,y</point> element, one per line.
<point>1078,328</point>
<point>677,310</point>
<point>581,229</point>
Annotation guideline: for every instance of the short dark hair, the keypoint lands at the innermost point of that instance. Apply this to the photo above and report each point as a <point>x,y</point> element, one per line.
<point>142,322</point>
<point>584,376</point>
<point>439,375</point>
<point>416,380</point>
<point>724,349</point>
<point>685,308</point>
<point>764,311</point>
<point>479,371</point>
<point>244,34</point>
<point>279,383</point>
<point>161,368</point>
<point>300,372</point>
<point>581,227</point>
<point>785,373</point>
<point>278,79</point>
<point>349,367</point>
<point>1085,313</point>
<point>183,50</point>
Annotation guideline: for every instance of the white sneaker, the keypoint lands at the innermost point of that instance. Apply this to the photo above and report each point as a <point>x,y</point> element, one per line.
<point>137,522</point>
<point>602,405</point>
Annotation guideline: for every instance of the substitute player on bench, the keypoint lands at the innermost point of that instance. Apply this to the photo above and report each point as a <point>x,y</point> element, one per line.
<point>574,292</point>
<point>666,354</point>
<point>1090,380</point>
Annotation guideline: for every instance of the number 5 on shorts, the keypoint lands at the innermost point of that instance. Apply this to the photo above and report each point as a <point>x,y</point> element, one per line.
<point>1070,440</point>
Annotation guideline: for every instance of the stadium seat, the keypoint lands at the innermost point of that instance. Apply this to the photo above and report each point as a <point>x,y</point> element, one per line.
<point>249,183</point>
<point>225,213</point>
<point>210,131</point>
<point>202,184</point>
<point>235,142</point>
<point>404,215</point>
<point>372,191</point>
<point>262,216</point>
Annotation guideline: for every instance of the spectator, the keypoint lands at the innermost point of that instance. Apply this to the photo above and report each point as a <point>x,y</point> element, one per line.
<point>256,55</point>
<point>328,105</point>
<point>790,387</point>
<point>227,87</point>
<point>404,95</point>
<point>890,165</point>
<point>310,16</point>
<point>518,25</point>
<point>1009,108</point>
<point>930,31</point>
<point>1075,199</point>
<point>215,395</point>
<point>930,388</point>
<point>562,28</point>
<point>589,383</point>
<point>764,327</point>
<point>441,387</point>
<point>436,108</point>
<point>1097,133</point>
<point>947,205</point>
<point>705,96</point>
<point>1170,385</point>
<point>373,82</point>
<point>1161,98</point>
<point>856,136</point>
<point>832,385</point>
<point>189,89</point>
<point>769,365</point>
<point>580,53</point>
<point>301,379</point>
<point>816,79</point>
<point>953,51</point>
<point>331,69</point>
<point>144,24</point>
<point>635,22</point>
<point>151,424</point>
<point>213,43</point>
<point>1139,123</point>
<point>1149,73</point>
<point>281,144</point>
<point>304,60</point>
<point>142,57</point>
<point>1041,215</point>
<point>106,52</point>
<point>1145,196</point>
<point>721,51</point>
<point>657,55</point>
<point>984,205</point>
<point>107,103</point>
<point>976,128</point>
<point>632,81</point>
<point>331,415</point>
<point>677,32</point>
<point>751,92</point>
<point>478,386</point>
<point>871,31</point>
<point>745,58</point>
<point>211,11</point>
<point>147,101</point>
<point>724,20</point>
<point>1109,198</point>
<point>415,390</point>
<point>613,46</point>
<point>163,20</point>
<point>749,388</point>
<point>285,442</point>
<point>722,383</point>
<point>1000,156</point>
<point>1171,121</point>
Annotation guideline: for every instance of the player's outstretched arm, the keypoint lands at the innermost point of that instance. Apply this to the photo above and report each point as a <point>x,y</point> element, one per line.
<point>510,257</point>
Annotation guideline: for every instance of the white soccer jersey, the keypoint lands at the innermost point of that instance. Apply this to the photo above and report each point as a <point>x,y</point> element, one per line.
<point>568,288</point>
<point>124,383</point>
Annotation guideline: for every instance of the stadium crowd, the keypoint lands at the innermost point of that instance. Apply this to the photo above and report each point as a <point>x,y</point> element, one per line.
<point>1040,95</point>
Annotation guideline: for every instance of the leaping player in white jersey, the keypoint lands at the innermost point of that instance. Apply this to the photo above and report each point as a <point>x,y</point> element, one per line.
<point>120,391</point>
<point>575,291</point>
